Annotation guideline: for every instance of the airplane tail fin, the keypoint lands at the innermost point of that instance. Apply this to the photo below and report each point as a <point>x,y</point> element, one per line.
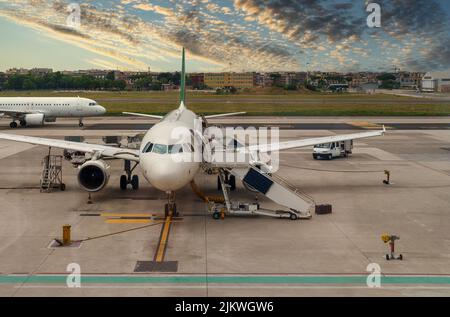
<point>183,83</point>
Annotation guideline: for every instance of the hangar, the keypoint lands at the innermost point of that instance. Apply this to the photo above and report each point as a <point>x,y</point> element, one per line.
<point>436,82</point>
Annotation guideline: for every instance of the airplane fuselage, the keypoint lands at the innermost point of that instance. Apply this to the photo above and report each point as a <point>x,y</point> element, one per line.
<point>166,153</point>
<point>49,108</point>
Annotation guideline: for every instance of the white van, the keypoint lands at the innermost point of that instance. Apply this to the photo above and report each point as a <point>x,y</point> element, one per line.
<point>333,149</point>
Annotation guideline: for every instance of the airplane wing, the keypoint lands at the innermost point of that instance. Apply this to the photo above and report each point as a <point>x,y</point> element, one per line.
<point>14,113</point>
<point>143,115</point>
<point>224,115</point>
<point>102,150</point>
<point>308,142</point>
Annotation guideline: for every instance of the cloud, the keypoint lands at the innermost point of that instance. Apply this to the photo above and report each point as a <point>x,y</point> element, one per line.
<point>304,21</point>
<point>133,41</point>
<point>251,35</point>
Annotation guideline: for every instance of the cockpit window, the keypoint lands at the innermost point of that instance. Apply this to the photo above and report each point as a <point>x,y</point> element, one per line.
<point>92,103</point>
<point>159,148</point>
<point>148,148</point>
<point>175,148</point>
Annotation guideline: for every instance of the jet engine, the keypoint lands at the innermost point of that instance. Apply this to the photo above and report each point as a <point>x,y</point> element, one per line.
<point>93,175</point>
<point>34,119</point>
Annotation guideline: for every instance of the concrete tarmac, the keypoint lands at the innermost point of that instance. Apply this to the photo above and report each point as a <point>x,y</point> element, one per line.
<point>327,255</point>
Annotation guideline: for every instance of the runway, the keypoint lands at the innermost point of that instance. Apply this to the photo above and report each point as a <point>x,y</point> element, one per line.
<point>283,123</point>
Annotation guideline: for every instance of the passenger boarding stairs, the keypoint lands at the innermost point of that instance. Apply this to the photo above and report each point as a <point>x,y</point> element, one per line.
<point>276,189</point>
<point>51,176</point>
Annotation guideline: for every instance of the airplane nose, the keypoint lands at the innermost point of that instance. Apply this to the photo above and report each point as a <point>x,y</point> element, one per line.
<point>102,110</point>
<point>164,175</point>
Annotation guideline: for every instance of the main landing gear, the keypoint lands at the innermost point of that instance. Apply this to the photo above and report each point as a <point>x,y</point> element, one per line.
<point>14,124</point>
<point>129,178</point>
<point>170,209</point>
<point>80,123</point>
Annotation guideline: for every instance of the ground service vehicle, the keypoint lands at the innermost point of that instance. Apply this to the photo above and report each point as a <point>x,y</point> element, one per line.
<point>333,149</point>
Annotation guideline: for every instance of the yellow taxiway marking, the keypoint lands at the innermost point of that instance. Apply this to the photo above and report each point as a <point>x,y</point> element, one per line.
<point>128,221</point>
<point>109,214</point>
<point>163,241</point>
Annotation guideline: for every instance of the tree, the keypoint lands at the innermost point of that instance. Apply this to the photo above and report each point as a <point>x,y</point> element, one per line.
<point>291,87</point>
<point>29,84</point>
<point>110,76</point>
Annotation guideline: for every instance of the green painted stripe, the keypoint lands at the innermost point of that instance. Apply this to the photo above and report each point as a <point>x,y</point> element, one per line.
<point>335,279</point>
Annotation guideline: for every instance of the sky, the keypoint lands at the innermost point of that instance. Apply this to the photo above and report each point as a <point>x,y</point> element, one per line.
<point>226,35</point>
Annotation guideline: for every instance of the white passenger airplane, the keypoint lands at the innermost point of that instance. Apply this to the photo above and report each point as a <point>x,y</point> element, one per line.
<point>34,111</point>
<point>158,148</point>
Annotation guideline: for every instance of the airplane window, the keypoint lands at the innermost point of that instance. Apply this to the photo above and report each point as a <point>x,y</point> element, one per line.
<point>159,148</point>
<point>148,148</point>
<point>175,148</point>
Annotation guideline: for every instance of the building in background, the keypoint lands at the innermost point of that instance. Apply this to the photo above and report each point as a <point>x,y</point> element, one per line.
<point>436,82</point>
<point>409,80</point>
<point>17,71</point>
<point>40,72</point>
<point>197,80</point>
<point>236,80</point>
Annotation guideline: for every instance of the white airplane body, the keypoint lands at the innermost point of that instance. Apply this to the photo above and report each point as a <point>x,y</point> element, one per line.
<point>158,148</point>
<point>34,111</point>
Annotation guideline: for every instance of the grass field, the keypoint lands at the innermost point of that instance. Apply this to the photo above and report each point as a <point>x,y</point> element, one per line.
<point>282,104</point>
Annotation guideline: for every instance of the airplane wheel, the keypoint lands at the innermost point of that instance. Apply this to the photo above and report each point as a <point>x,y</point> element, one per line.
<point>13,125</point>
<point>174,211</point>
<point>23,123</point>
<point>166,210</point>
<point>293,217</point>
<point>387,257</point>
<point>135,182</point>
<point>62,187</point>
<point>330,156</point>
<point>81,124</point>
<point>232,182</point>
<point>123,182</point>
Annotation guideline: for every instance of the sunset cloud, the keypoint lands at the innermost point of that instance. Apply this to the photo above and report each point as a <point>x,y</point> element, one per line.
<point>250,35</point>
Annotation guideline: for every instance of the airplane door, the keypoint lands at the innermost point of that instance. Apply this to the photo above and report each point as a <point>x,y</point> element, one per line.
<point>78,107</point>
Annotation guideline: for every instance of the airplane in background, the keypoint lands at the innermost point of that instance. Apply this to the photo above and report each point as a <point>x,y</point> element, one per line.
<point>34,111</point>
<point>158,148</point>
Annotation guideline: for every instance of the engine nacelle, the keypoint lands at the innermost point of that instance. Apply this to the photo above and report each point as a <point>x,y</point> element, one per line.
<point>93,175</point>
<point>34,119</point>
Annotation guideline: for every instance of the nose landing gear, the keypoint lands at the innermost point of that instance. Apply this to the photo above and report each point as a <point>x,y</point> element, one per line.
<point>129,178</point>
<point>80,123</point>
<point>170,209</point>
